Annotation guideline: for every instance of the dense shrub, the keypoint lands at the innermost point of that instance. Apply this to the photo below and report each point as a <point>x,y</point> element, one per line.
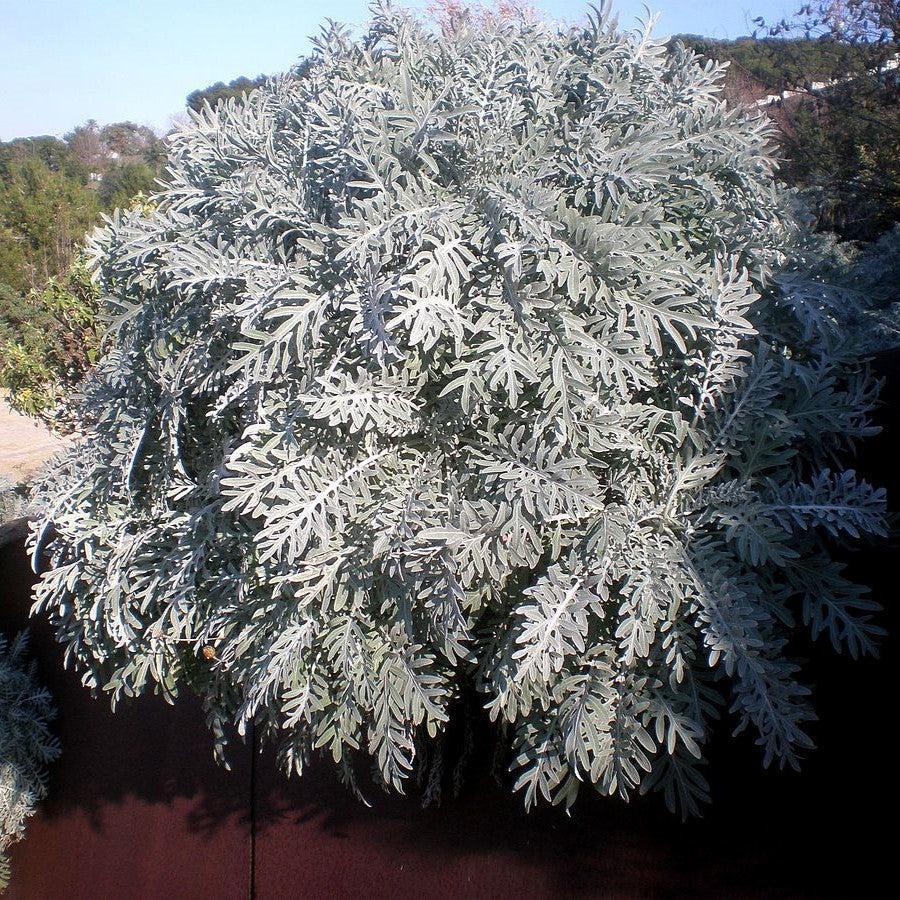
<point>49,340</point>
<point>492,357</point>
<point>44,215</point>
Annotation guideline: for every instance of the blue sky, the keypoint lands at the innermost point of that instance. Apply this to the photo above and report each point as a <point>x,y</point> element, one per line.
<point>65,61</point>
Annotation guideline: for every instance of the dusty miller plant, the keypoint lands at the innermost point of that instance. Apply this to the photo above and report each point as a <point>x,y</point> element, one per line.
<point>492,355</point>
<point>26,745</point>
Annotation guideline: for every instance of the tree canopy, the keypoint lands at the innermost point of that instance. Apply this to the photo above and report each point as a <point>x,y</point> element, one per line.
<point>237,88</point>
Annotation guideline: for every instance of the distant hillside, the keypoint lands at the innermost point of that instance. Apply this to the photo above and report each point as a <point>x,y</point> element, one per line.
<point>838,145</point>
<point>776,64</point>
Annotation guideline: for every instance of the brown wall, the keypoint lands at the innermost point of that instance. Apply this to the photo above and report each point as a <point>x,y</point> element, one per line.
<point>137,808</point>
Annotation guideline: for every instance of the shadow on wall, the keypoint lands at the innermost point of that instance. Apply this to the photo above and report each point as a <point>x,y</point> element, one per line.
<point>148,749</point>
<point>138,808</point>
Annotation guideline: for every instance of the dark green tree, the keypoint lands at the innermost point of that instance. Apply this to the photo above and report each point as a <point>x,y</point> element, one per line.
<point>44,215</point>
<point>123,182</point>
<point>221,91</point>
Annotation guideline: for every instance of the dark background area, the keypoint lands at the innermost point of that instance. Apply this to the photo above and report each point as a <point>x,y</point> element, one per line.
<point>138,808</point>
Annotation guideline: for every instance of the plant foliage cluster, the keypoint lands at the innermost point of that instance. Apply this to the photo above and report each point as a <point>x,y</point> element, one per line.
<point>26,745</point>
<point>491,357</point>
<point>51,193</point>
<point>49,340</point>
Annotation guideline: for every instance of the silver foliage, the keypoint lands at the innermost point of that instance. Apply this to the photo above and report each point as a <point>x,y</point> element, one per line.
<point>491,354</point>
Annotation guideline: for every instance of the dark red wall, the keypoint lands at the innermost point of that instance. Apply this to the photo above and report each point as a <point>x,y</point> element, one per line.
<point>137,808</point>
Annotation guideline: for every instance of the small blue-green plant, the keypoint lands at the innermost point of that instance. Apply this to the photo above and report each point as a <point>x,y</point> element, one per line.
<point>27,746</point>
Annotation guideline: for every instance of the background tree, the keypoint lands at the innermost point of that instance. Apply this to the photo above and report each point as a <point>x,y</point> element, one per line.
<point>52,193</point>
<point>133,143</point>
<point>86,147</point>
<point>126,181</point>
<point>841,142</point>
<point>49,339</point>
<point>237,88</point>
<point>44,215</point>
<point>51,151</point>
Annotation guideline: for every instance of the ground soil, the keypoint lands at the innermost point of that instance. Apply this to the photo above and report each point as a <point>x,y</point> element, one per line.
<point>25,445</point>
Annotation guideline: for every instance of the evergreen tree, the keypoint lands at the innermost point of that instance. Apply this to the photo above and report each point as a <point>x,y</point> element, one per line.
<point>44,215</point>
<point>495,356</point>
<point>215,93</point>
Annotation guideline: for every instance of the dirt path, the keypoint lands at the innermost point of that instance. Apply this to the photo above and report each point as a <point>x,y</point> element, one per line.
<point>25,445</point>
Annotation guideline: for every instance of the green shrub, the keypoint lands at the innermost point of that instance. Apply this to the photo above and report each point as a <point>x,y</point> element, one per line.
<point>44,215</point>
<point>48,342</point>
<point>489,357</point>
